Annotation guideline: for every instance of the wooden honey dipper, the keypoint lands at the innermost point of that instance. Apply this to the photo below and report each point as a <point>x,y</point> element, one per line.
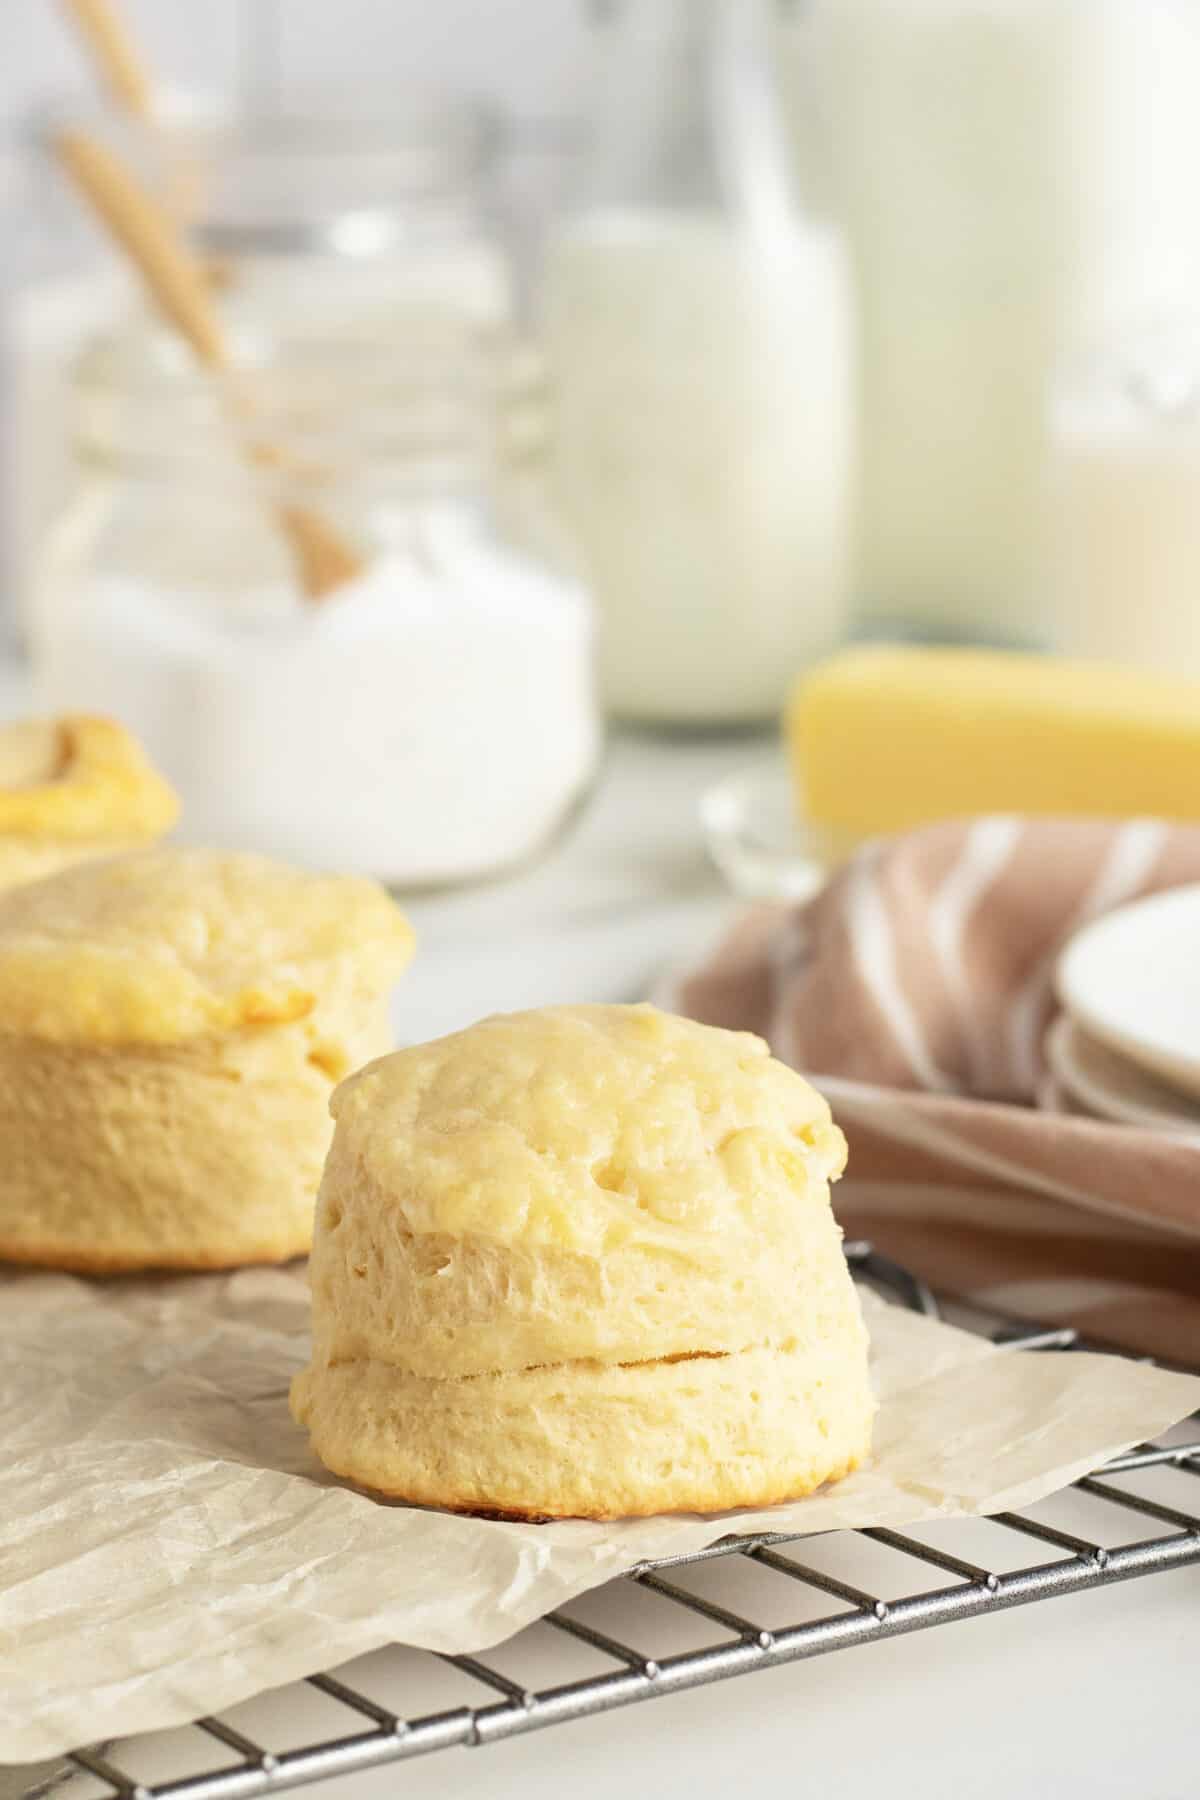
<point>176,281</point>
<point>125,72</point>
<point>115,55</point>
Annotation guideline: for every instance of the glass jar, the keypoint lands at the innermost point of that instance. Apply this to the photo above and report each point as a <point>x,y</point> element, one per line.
<point>339,200</point>
<point>431,718</point>
<point>56,293</point>
<point>344,216</point>
<point>697,340</point>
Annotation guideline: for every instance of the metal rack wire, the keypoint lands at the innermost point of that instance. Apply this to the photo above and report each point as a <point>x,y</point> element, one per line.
<point>373,1733</point>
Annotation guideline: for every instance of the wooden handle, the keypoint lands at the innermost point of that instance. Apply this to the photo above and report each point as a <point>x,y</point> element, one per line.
<point>114,53</point>
<point>126,75</point>
<point>324,560</point>
<point>168,268</point>
<point>176,281</point>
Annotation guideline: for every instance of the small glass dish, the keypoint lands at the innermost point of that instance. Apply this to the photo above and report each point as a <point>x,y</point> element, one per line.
<point>758,842</point>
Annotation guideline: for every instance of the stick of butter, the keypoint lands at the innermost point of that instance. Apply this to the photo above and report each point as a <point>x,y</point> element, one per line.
<point>882,738</point>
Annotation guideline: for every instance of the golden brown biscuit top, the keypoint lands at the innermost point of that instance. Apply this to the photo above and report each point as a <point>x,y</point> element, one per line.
<point>164,945</point>
<point>588,1127</point>
<point>79,778</point>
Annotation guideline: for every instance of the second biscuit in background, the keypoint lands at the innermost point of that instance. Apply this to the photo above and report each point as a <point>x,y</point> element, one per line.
<point>171,1026</point>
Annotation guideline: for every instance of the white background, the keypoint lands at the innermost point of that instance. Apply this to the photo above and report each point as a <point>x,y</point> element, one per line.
<point>528,55</point>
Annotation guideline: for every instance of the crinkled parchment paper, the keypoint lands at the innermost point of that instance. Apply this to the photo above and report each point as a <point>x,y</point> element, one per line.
<point>168,1546</point>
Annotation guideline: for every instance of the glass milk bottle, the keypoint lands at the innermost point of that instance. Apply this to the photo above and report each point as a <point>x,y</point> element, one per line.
<point>1122,579</point>
<point>1014,177</point>
<point>944,162</point>
<point>696,336</point>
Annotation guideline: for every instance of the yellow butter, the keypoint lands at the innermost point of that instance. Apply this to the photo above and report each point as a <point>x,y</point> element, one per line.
<point>882,738</point>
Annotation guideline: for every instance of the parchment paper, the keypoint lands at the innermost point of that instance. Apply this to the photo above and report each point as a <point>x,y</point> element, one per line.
<point>168,1546</point>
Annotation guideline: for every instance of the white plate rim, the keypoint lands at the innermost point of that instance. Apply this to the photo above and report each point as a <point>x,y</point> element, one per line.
<point>1139,1046</point>
<point>1081,1085</point>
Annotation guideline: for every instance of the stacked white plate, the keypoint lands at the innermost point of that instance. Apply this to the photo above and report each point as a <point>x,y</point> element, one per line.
<point>1127,1046</point>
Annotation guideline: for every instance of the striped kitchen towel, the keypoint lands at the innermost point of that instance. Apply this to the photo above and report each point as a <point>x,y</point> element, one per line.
<point>916,990</point>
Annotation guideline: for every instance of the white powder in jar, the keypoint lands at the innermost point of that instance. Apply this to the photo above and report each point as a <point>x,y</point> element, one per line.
<point>430,721</point>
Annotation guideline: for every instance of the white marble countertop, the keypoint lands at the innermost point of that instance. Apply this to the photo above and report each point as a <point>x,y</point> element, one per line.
<point>1093,1695</point>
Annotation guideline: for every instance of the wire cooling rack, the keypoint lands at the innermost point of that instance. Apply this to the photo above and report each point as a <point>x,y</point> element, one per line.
<point>365,1730</point>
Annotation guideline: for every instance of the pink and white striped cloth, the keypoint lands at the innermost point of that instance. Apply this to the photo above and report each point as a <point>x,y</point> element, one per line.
<point>916,991</point>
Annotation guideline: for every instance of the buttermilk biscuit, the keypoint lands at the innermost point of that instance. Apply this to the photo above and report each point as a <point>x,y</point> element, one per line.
<point>171,1025</point>
<point>582,1261</point>
<point>72,789</point>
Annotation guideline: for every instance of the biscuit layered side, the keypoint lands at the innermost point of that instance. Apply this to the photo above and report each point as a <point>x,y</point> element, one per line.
<point>171,1026</point>
<point>583,1261</point>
